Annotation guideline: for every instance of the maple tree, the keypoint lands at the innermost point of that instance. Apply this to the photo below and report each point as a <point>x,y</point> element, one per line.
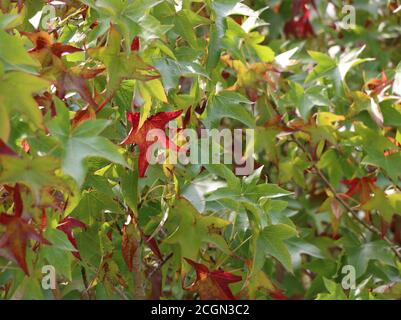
<point>80,92</point>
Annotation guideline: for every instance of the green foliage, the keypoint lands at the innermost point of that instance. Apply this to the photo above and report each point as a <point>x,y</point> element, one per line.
<point>79,92</point>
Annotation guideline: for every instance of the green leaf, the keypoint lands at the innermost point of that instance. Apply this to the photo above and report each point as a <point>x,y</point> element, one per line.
<point>14,55</point>
<point>189,229</point>
<point>59,240</point>
<point>297,247</point>
<point>59,259</point>
<point>185,22</point>
<point>335,291</point>
<point>36,173</point>
<point>171,71</point>
<point>16,95</point>
<point>120,65</point>
<point>335,69</point>
<point>359,257</point>
<point>228,104</point>
<point>270,241</point>
<point>376,156</point>
<point>381,203</point>
<point>82,143</point>
<point>305,100</point>
<point>129,186</point>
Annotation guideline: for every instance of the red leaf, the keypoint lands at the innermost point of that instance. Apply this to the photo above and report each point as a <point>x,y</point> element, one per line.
<point>129,245</point>
<point>83,115</point>
<point>43,40</point>
<point>66,225</point>
<point>69,81</point>
<point>6,150</point>
<point>135,45</point>
<point>361,187</point>
<point>152,243</point>
<point>18,232</point>
<point>212,285</point>
<point>300,26</point>
<point>252,94</point>
<point>376,85</point>
<point>138,135</point>
<point>48,53</point>
<point>225,74</point>
<point>298,5</point>
<point>59,48</point>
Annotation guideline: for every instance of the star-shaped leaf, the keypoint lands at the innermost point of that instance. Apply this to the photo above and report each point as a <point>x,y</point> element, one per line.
<point>120,65</point>
<point>305,100</point>
<point>66,225</point>
<point>36,172</point>
<point>70,79</point>
<point>336,69</point>
<point>80,143</point>
<point>212,284</point>
<point>14,55</point>
<point>270,242</point>
<point>360,256</point>
<point>190,229</point>
<point>299,26</point>
<point>138,135</point>
<point>18,232</point>
<point>16,95</point>
<point>231,105</point>
<point>361,187</point>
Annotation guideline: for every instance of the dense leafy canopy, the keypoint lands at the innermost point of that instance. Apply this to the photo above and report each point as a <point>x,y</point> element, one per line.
<point>82,83</point>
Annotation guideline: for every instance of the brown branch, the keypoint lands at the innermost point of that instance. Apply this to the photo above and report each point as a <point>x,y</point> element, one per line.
<point>139,291</point>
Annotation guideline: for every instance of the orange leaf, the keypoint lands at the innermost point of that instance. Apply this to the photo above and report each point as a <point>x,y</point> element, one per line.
<point>212,285</point>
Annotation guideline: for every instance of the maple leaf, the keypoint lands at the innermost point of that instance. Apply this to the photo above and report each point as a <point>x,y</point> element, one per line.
<point>249,75</point>
<point>44,40</point>
<point>298,5</point>
<point>152,243</point>
<point>361,187</point>
<point>16,94</point>
<point>129,245</point>
<point>49,53</point>
<point>18,232</point>
<point>66,225</point>
<point>299,26</point>
<point>190,229</point>
<point>212,285</point>
<point>376,85</point>
<point>120,65</point>
<point>82,142</point>
<point>45,101</point>
<point>36,173</point>
<point>138,135</point>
